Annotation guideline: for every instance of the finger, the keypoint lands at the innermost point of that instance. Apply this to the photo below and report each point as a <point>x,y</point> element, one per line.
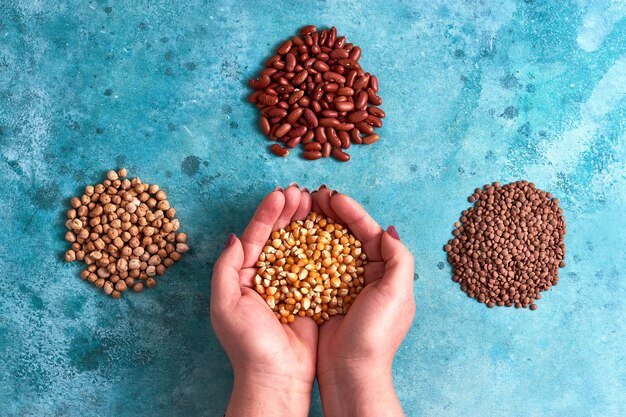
<point>305,205</point>
<point>352,215</point>
<point>306,330</point>
<point>323,199</point>
<point>246,277</point>
<point>225,280</point>
<point>314,204</point>
<point>292,202</point>
<point>258,231</point>
<point>373,271</point>
<point>398,265</point>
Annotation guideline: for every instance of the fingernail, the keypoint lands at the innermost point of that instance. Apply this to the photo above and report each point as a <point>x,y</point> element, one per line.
<point>293,184</point>
<point>278,189</point>
<point>323,186</point>
<point>305,189</point>
<point>231,239</point>
<point>333,192</point>
<point>391,231</point>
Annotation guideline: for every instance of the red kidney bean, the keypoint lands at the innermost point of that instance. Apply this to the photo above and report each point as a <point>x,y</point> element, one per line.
<point>295,115</point>
<point>331,87</point>
<point>357,116</point>
<point>350,78</point>
<point>320,135</point>
<point>272,135</point>
<point>332,37</point>
<point>340,155</point>
<point>344,105</point>
<point>360,83</point>
<point>283,105</point>
<point>363,128</point>
<point>322,57</point>
<point>310,118</point>
<point>321,66</point>
<point>376,111</point>
<point>279,150</point>
<point>344,138</point>
<point>313,146</point>
<point>268,71</point>
<point>292,143</point>
<point>368,140</point>
<point>265,126</point>
<point>295,96</point>
<point>348,63</point>
<point>283,80</point>
<point>308,137</point>
<point>355,53</point>
<point>275,120</point>
<point>328,98</point>
<point>270,62</point>
<point>297,131</point>
<point>290,62</point>
<point>261,83</point>
<point>304,101</point>
<point>285,47</point>
<point>328,122</point>
<point>307,30</point>
<point>282,130</point>
<point>316,106</point>
<point>345,91</point>
<point>334,77</point>
<point>333,139</point>
<point>374,83</point>
<point>361,100</point>
<point>277,112</point>
<point>312,155</point>
<point>326,149</point>
<point>308,40</point>
<point>323,37</point>
<point>344,126</point>
<point>279,65</point>
<point>373,98</point>
<point>267,99</point>
<point>374,121</point>
<point>338,54</point>
<point>329,113</point>
<point>300,77</point>
<point>284,89</point>
<point>318,91</point>
<point>355,137</point>
<point>252,98</point>
<point>297,41</point>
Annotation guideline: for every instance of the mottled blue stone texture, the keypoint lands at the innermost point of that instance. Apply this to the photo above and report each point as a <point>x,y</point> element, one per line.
<point>475,92</point>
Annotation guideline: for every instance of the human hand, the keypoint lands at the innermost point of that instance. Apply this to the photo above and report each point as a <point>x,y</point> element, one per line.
<point>355,351</point>
<point>273,363</point>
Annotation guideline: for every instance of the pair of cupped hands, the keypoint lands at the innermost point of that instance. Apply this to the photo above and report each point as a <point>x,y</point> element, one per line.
<point>275,364</point>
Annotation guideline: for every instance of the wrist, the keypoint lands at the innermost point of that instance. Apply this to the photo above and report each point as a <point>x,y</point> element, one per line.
<point>269,394</point>
<point>360,391</point>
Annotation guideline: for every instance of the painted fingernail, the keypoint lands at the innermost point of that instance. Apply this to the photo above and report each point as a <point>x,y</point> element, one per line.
<point>333,192</point>
<point>305,189</point>
<point>391,231</point>
<point>293,184</point>
<point>231,239</point>
<point>323,186</point>
<point>278,189</point>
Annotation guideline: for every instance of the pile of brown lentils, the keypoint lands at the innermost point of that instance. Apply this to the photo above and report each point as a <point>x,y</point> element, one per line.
<point>126,233</point>
<point>509,246</point>
<point>314,92</point>
<point>312,268</point>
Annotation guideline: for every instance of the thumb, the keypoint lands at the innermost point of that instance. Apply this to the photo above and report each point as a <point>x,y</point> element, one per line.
<point>225,281</point>
<point>398,262</point>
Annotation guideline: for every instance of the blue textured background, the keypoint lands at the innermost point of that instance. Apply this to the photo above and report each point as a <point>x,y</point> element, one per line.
<point>474,92</point>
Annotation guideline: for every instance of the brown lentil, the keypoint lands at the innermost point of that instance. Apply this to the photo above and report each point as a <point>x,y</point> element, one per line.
<point>313,83</point>
<point>509,246</point>
<point>121,229</point>
<point>312,268</point>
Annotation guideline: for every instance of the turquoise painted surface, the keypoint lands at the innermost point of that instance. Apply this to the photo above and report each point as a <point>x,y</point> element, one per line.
<point>474,91</point>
